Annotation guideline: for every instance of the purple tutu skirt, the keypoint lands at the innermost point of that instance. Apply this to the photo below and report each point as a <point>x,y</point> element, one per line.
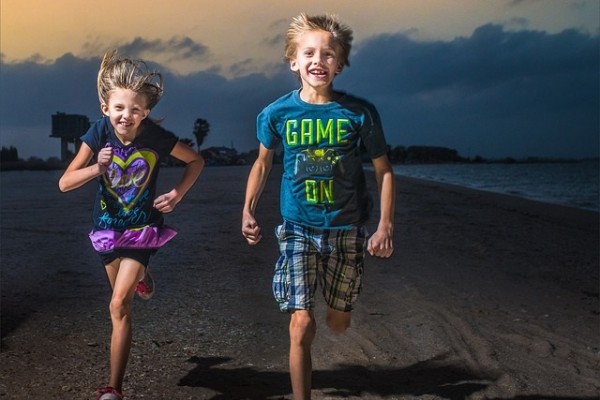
<point>147,237</point>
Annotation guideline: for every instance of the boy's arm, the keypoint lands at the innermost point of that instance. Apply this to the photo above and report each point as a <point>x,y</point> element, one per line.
<point>381,244</point>
<point>194,163</point>
<point>256,183</point>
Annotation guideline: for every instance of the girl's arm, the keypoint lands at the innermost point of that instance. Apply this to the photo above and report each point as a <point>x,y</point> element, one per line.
<point>79,172</point>
<point>194,164</point>
<point>256,183</point>
<point>380,244</point>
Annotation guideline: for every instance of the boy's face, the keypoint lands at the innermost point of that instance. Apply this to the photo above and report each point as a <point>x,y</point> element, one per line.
<point>316,59</point>
<point>126,110</point>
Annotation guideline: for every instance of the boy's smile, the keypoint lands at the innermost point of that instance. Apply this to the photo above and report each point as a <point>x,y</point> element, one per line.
<point>317,62</point>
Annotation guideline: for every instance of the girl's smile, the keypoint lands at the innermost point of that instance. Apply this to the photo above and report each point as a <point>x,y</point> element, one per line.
<point>126,110</point>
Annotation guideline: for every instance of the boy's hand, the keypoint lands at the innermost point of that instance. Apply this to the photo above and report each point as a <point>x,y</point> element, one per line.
<point>380,244</point>
<point>104,158</point>
<point>166,203</point>
<point>251,230</point>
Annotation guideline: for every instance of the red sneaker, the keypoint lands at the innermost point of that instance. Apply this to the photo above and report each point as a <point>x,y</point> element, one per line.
<point>145,287</point>
<point>109,393</point>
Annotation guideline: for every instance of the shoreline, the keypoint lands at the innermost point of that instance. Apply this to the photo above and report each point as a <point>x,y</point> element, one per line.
<point>504,194</point>
<point>508,200</point>
<point>570,184</point>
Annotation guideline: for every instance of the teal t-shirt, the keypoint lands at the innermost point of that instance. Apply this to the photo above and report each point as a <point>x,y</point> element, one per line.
<point>323,184</point>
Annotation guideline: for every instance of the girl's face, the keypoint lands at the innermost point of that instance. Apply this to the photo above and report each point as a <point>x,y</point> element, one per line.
<point>126,110</point>
<point>316,60</point>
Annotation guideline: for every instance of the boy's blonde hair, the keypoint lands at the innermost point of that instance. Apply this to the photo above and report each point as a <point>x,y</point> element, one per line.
<point>125,73</point>
<point>342,34</point>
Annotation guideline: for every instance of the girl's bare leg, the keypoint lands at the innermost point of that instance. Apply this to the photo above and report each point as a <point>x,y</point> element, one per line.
<point>123,275</point>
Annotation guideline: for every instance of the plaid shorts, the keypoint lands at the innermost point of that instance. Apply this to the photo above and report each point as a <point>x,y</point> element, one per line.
<point>333,256</point>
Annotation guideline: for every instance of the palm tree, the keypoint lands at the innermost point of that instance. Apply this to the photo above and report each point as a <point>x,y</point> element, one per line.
<point>201,129</point>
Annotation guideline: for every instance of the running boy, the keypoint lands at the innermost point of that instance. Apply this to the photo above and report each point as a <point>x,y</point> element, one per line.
<point>324,199</point>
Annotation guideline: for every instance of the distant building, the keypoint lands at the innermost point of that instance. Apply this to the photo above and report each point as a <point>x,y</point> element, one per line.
<point>220,155</point>
<point>69,128</point>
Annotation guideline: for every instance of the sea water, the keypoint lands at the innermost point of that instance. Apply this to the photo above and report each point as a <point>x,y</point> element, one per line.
<point>573,184</point>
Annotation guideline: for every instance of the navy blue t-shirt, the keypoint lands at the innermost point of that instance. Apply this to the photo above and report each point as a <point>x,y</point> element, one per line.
<point>323,184</point>
<point>127,189</point>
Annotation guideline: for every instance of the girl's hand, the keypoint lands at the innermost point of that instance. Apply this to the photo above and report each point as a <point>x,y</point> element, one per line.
<point>104,158</point>
<point>166,203</point>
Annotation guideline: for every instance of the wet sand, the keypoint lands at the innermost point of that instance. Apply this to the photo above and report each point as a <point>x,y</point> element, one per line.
<point>486,297</point>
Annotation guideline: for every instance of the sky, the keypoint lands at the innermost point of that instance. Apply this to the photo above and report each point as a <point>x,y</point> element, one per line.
<point>490,78</point>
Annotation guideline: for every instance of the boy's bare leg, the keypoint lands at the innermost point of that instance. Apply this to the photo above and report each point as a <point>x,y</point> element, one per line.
<point>338,321</point>
<point>302,333</point>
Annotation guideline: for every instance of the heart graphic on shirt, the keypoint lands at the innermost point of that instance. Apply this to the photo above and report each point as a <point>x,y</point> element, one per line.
<point>127,178</point>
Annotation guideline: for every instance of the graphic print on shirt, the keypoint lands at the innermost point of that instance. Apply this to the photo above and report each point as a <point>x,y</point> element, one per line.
<point>315,162</point>
<point>316,165</point>
<point>128,175</point>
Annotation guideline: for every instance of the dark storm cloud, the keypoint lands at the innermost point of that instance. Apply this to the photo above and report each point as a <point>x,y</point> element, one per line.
<point>177,48</point>
<point>495,93</point>
<point>490,57</point>
<point>276,40</point>
<point>32,91</point>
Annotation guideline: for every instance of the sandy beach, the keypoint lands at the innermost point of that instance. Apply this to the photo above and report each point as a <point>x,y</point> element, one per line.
<point>486,297</point>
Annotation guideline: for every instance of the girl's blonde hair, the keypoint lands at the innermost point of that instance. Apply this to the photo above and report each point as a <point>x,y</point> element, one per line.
<point>342,34</point>
<point>125,73</point>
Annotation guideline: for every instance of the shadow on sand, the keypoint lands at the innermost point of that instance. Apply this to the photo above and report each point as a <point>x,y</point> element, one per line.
<point>436,377</point>
<point>444,381</point>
